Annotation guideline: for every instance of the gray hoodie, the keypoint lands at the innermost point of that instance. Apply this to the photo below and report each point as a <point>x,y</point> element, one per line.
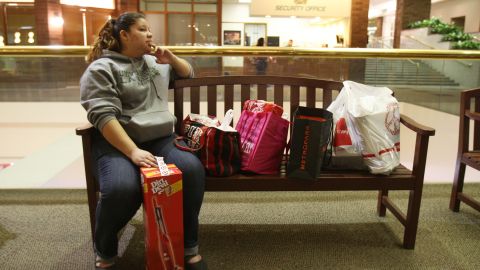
<point>134,91</point>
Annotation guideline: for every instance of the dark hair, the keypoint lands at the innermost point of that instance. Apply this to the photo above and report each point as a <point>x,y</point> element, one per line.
<point>109,34</point>
<point>260,41</point>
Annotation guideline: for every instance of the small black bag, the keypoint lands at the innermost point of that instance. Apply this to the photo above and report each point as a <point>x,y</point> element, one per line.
<point>310,139</point>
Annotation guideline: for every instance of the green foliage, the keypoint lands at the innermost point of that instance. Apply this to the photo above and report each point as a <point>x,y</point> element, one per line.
<point>466,45</point>
<point>457,37</point>
<point>436,26</point>
<point>450,33</point>
<point>425,23</point>
<point>444,28</point>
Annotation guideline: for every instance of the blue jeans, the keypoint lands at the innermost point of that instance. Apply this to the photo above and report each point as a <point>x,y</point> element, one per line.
<point>121,192</point>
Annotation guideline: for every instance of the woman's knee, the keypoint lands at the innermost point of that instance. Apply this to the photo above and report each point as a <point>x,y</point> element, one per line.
<point>195,168</point>
<point>119,180</point>
<point>193,173</point>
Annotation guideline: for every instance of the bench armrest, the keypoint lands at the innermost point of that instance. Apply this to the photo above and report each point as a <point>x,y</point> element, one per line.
<point>421,147</point>
<point>84,130</point>
<point>418,128</point>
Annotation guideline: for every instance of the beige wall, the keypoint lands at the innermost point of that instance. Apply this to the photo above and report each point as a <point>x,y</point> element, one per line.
<point>455,8</point>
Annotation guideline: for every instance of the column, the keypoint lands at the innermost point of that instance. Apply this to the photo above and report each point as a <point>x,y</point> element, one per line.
<point>122,6</point>
<point>358,38</point>
<point>409,11</point>
<point>48,24</point>
<point>359,24</point>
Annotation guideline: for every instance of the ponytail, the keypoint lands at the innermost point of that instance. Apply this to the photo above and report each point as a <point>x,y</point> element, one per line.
<point>109,35</point>
<point>106,40</point>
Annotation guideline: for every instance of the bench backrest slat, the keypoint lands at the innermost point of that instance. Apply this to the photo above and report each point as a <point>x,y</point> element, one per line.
<point>228,98</point>
<point>294,99</point>
<point>245,94</point>
<point>278,94</point>
<point>227,85</point>
<point>178,109</point>
<point>327,98</point>
<point>476,126</point>
<point>311,97</point>
<point>212,99</point>
<point>262,92</point>
<point>195,99</point>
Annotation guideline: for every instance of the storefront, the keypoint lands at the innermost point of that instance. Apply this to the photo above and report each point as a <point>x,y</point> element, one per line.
<point>184,22</point>
<point>17,25</point>
<point>63,22</point>
<point>287,23</point>
<point>311,23</point>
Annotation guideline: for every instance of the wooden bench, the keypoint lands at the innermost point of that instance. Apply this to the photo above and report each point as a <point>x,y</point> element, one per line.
<point>401,178</point>
<point>467,155</point>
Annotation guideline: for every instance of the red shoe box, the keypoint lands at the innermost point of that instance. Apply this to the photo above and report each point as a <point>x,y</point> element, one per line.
<point>163,218</point>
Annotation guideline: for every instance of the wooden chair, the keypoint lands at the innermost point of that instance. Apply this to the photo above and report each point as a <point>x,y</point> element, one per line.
<point>466,155</point>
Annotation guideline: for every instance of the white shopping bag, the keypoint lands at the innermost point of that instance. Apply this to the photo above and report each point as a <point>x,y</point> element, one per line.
<point>342,142</point>
<point>373,122</point>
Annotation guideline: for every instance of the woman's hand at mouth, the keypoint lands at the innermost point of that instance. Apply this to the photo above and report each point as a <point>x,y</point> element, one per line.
<point>163,55</point>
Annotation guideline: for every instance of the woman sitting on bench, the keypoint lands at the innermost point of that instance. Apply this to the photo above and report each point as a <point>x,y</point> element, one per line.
<point>125,93</point>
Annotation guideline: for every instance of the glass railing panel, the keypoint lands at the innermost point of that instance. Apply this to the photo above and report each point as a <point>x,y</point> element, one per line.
<point>321,68</point>
<point>40,78</point>
<point>432,81</point>
<point>448,84</point>
<point>418,81</point>
<point>324,68</point>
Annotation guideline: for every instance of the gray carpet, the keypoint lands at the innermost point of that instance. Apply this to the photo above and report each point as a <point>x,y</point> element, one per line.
<point>49,229</point>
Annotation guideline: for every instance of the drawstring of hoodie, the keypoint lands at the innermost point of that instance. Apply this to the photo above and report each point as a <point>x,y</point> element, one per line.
<point>138,70</point>
<point>140,77</point>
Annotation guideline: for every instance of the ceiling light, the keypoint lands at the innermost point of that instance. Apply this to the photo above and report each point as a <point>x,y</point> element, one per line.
<point>57,21</point>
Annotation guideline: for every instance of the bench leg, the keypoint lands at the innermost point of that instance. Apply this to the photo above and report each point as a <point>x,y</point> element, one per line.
<point>411,223</point>
<point>92,209</point>
<point>381,209</point>
<point>457,185</point>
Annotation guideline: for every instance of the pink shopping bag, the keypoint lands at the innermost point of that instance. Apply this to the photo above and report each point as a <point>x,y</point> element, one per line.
<point>263,138</point>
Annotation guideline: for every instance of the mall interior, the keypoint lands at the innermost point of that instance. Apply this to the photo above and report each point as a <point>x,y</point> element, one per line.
<point>43,45</point>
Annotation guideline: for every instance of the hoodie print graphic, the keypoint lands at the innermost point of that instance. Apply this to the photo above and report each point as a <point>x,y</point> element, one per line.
<point>142,77</point>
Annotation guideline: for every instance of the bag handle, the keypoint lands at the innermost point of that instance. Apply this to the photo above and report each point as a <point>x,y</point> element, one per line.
<point>186,148</point>
<point>329,146</point>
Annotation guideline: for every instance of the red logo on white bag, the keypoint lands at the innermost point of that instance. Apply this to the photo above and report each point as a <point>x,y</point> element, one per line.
<point>392,119</point>
<point>341,133</point>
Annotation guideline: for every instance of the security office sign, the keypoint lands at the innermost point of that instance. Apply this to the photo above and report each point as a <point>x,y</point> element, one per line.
<point>301,8</point>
